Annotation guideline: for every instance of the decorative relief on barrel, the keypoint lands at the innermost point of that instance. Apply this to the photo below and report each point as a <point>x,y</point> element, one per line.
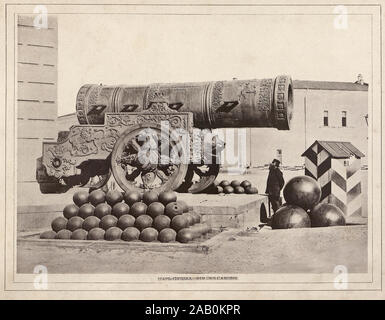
<point>80,104</point>
<point>216,96</point>
<point>215,102</point>
<point>264,96</point>
<point>93,96</point>
<point>246,88</point>
<point>282,102</point>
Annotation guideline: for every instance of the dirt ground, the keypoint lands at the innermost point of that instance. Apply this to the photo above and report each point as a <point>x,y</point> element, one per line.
<point>310,250</point>
<point>302,250</point>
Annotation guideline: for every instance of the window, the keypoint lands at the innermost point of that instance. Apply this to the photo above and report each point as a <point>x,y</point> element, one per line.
<point>326,118</point>
<point>344,118</point>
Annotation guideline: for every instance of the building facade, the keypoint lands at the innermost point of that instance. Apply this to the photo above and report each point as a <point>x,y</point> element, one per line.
<point>36,98</point>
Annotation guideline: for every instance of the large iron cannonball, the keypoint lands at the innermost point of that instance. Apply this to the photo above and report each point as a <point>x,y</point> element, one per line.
<point>155,209</point>
<point>90,223</point>
<point>120,209</point>
<point>142,222</point>
<point>184,205</point>
<point>113,197</point>
<point>251,190</point>
<point>161,222</point>
<point>75,223</point>
<point>179,222</point>
<point>150,197</point>
<point>302,191</point>
<point>205,228</point>
<point>228,189</point>
<point>49,234</point>
<point>108,221</point>
<point>96,197</point>
<point>64,234</point>
<point>167,196</point>
<point>196,216</point>
<point>167,235</point>
<point>131,197</point>
<point>126,221</point>
<point>102,209</point>
<point>290,216</point>
<point>224,183</point>
<point>190,218</point>
<point>113,233</point>
<point>235,183</point>
<point>149,235</point>
<point>185,235</point>
<point>239,190</point>
<point>96,234</point>
<point>326,215</point>
<point>245,184</point>
<point>86,210</point>
<point>70,211</point>
<point>138,209</point>
<point>80,198</point>
<point>196,230</point>
<point>59,223</point>
<point>79,234</point>
<point>130,234</point>
<point>219,189</point>
<point>173,209</point>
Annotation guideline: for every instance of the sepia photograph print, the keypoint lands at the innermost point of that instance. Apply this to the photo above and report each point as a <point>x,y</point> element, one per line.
<point>184,150</point>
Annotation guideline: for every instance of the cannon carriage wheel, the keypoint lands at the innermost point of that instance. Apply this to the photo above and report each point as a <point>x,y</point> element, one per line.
<point>136,167</point>
<point>200,176</point>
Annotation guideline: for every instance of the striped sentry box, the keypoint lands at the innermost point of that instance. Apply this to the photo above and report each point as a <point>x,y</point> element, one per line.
<point>337,168</point>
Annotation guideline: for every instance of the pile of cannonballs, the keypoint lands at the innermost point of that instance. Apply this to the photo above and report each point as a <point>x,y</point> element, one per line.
<point>127,216</point>
<point>235,186</point>
<point>302,208</point>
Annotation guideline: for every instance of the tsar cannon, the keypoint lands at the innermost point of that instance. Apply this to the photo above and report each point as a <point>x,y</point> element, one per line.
<point>158,136</point>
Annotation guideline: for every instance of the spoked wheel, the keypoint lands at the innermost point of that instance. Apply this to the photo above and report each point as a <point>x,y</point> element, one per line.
<point>143,160</point>
<point>199,177</point>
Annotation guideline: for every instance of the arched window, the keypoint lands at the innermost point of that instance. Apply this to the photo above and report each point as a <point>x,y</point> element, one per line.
<point>343,118</point>
<point>326,118</point>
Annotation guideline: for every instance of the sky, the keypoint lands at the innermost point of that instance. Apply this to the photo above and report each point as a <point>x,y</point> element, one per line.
<point>143,49</point>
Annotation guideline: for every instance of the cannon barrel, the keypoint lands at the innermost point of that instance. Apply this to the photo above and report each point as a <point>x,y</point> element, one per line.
<point>217,104</point>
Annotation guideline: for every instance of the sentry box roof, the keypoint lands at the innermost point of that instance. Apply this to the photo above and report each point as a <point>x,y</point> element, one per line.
<point>337,149</point>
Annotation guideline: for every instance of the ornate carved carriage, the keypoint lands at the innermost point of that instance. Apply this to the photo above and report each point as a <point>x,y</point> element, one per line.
<point>159,136</point>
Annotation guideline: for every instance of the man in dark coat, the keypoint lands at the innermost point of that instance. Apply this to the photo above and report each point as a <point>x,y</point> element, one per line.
<point>275,183</point>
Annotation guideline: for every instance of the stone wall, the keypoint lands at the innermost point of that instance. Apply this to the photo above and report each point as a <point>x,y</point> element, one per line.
<point>36,98</point>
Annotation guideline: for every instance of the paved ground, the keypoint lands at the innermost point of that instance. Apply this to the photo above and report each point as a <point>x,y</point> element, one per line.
<point>316,250</point>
